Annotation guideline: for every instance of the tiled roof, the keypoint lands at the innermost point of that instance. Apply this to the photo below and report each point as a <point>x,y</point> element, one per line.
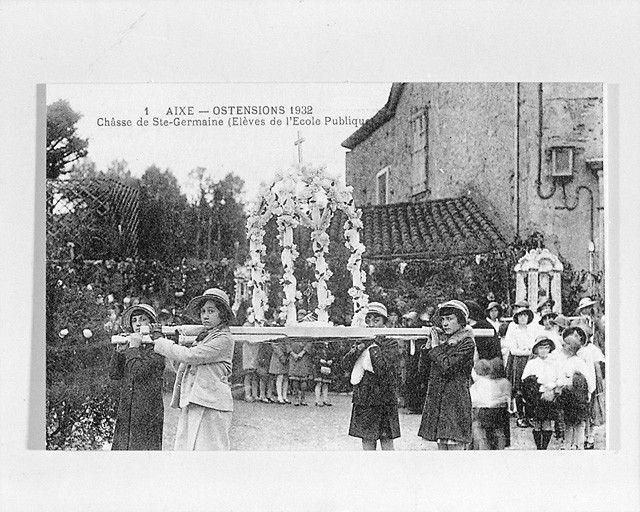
<point>428,230</point>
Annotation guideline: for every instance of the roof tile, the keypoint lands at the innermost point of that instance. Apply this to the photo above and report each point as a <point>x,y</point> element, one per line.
<point>440,228</point>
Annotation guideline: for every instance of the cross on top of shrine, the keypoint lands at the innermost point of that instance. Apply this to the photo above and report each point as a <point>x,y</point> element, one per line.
<point>298,143</point>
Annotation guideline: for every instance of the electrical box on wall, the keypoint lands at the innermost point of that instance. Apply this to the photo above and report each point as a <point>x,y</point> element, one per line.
<point>562,162</point>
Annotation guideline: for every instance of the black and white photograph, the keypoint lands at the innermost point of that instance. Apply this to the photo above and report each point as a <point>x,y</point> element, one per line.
<point>247,244</point>
<point>308,212</point>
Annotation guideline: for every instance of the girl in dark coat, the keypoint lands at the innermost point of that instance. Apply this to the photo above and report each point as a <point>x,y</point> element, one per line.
<point>266,383</point>
<point>446,418</point>
<point>140,410</point>
<point>300,369</point>
<point>279,367</point>
<point>324,371</point>
<point>374,376</point>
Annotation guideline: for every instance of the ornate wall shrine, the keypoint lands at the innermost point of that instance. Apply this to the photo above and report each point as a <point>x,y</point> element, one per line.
<point>539,277</point>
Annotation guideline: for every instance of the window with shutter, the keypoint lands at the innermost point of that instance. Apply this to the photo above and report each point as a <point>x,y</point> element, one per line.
<point>419,151</point>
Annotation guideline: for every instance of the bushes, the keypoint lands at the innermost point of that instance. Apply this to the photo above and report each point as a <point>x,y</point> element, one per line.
<point>81,400</point>
<point>152,280</point>
<point>423,283</point>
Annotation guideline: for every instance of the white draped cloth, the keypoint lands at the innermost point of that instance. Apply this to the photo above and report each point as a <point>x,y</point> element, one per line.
<point>362,363</point>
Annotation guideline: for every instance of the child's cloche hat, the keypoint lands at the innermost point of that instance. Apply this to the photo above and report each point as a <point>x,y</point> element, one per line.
<point>455,304</point>
<point>138,309</point>
<point>561,321</point>
<point>522,306</point>
<point>582,324</point>
<point>377,308</point>
<point>542,340</point>
<point>545,304</point>
<point>585,302</point>
<point>411,315</point>
<point>545,313</point>
<point>494,305</point>
<point>216,295</point>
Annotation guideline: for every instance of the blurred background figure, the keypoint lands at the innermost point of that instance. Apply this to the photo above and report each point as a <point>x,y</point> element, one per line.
<point>589,310</point>
<point>113,324</point>
<point>250,363</point>
<point>394,318</point>
<point>415,386</point>
<point>493,313</point>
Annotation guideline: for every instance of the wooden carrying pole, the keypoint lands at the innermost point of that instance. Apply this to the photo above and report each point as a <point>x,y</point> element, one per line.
<point>188,333</point>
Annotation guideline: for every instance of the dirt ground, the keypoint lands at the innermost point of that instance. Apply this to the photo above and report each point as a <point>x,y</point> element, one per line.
<point>259,427</point>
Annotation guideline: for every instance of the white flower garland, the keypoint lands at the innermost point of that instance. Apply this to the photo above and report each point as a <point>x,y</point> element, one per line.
<point>308,196</point>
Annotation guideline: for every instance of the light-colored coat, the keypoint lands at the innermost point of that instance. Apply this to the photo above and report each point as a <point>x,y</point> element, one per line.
<point>203,374</point>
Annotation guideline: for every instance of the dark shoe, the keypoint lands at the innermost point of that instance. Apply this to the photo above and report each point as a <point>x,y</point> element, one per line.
<point>287,401</point>
<point>304,404</point>
<point>281,402</point>
<point>319,404</point>
<point>588,445</point>
<point>328,404</point>
<point>522,423</point>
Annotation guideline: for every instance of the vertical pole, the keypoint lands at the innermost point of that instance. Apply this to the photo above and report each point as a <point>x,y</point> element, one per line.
<point>517,160</point>
<point>532,291</point>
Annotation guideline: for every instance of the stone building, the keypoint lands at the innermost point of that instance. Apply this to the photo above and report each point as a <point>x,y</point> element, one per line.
<point>529,156</point>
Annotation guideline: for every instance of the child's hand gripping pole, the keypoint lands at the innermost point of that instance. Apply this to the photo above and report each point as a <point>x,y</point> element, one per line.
<point>186,334</point>
<point>145,331</point>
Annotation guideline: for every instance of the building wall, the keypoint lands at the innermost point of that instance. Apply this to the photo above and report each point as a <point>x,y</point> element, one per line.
<point>473,150</point>
<point>571,116</point>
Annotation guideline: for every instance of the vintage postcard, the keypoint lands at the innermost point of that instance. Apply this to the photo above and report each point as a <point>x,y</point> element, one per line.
<point>463,221</point>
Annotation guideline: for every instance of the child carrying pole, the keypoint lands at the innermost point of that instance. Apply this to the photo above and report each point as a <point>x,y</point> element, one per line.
<point>373,366</point>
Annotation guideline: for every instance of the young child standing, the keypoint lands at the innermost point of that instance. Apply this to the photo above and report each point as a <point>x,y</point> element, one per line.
<point>299,370</point>
<point>539,380</point>
<point>519,339</point>
<point>323,372</point>
<point>490,396</point>
<point>576,383</point>
<point>266,383</point>
<point>279,367</point>
<point>593,356</point>
<point>140,409</point>
<point>446,418</point>
<point>250,364</point>
<point>373,368</point>
<point>202,390</point>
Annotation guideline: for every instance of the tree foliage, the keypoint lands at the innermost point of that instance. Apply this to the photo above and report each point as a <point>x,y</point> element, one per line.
<point>63,144</point>
<point>164,211</point>
<point>217,220</point>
